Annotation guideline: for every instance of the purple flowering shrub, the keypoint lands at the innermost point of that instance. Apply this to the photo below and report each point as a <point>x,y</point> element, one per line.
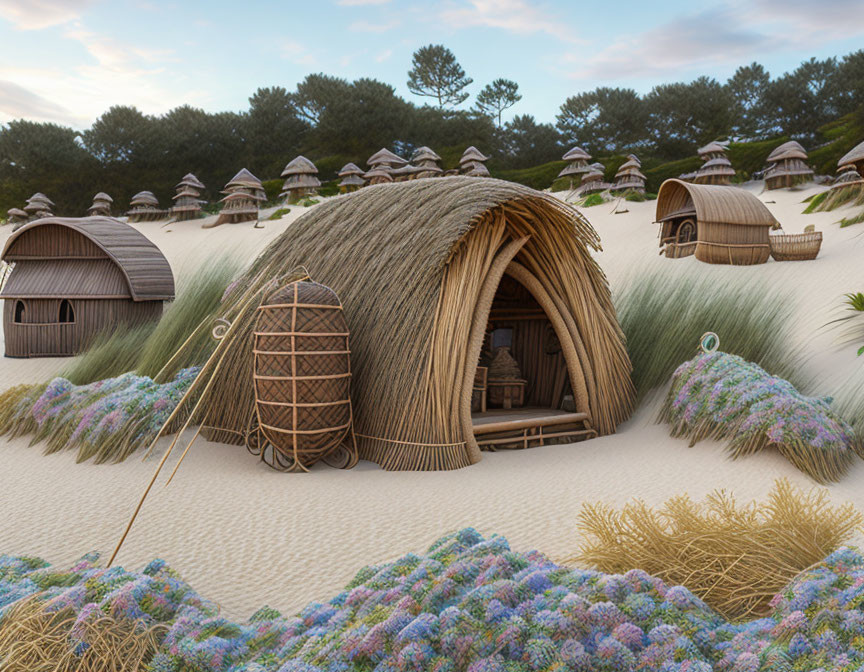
<point>472,605</point>
<point>108,419</point>
<point>722,396</point>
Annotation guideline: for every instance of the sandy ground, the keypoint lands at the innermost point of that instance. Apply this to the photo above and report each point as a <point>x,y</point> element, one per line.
<point>245,536</point>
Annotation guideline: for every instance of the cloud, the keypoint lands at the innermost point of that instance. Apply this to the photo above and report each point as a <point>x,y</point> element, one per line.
<point>369,27</point>
<point>801,20</point>
<point>297,53</point>
<point>384,55</point>
<point>39,14</point>
<point>360,3</point>
<point>513,16</point>
<point>17,102</point>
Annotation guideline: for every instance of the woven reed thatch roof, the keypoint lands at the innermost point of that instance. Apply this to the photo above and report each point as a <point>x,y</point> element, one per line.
<point>145,268</point>
<point>380,172</point>
<point>352,180</point>
<point>242,196</point>
<point>414,264</point>
<point>630,163</point>
<point>102,196</point>
<point>16,212</point>
<point>478,170</point>
<point>299,181</point>
<point>853,156</point>
<point>712,203</point>
<point>633,157</point>
<point>425,154</point>
<point>632,171</point>
<point>189,180</point>
<point>472,154</point>
<point>300,166</point>
<point>788,150</point>
<point>385,156</point>
<point>144,198</point>
<point>575,154</point>
<point>573,169</point>
<point>39,197</point>
<point>720,161</point>
<point>711,148</point>
<point>350,169</point>
<point>244,179</point>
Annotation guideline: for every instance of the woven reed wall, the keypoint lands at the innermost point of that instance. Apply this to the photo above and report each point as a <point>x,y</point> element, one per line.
<point>733,244</point>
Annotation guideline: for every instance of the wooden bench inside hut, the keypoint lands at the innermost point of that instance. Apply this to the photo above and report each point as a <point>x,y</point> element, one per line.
<point>522,396</point>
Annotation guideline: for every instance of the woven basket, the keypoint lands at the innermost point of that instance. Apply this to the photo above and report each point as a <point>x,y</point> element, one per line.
<point>302,380</point>
<point>795,246</point>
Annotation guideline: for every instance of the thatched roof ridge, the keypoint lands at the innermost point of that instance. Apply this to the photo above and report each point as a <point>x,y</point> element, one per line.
<point>632,171</point>
<point>711,148</point>
<point>384,155</point>
<point>633,157</point>
<point>142,263</point>
<point>102,196</point>
<point>385,250</point>
<point>424,153</point>
<point>853,156</point>
<point>713,203</point>
<point>242,196</point>
<point>478,170</point>
<point>472,154</point>
<point>379,171</point>
<point>573,169</point>
<point>576,153</point>
<point>788,150</point>
<point>39,197</point>
<point>16,212</point>
<point>145,198</point>
<point>630,163</point>
<point>244,178</point>
<point>350,169</point>
<point>719,161</point>
<point>352,180</point>
<point>299,166</point>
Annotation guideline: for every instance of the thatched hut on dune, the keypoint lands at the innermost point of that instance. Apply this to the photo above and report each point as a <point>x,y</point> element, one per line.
<point>101,205</point>
<point>716,169</point>
<point>577,164</point>
<point>38,205</point>
<point>16,217</point>
<point>352,178</point>
<point>379,175</point>
<point>852,160</point>
<point>144,207</point>
<point>594,180</point>
<point>787,166</point>
<point>244,193</point>
<point>473,163</point>
<point>629,177</point>
<point>74,278</point>
<point>428,163</point>
<point>301,179</point>
<point>720,225</point>
<point>433,276</point>
<point>187,200</point>
<point>386,159</point>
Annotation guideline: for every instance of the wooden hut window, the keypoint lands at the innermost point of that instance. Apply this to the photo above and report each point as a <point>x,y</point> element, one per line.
<point>19,311</point>
<point>67,313</point>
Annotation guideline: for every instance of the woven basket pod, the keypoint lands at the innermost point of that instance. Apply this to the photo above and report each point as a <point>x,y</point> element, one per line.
<point>302,380</point>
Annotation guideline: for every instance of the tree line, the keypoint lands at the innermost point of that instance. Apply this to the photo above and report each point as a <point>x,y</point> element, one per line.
<point>332,121</point>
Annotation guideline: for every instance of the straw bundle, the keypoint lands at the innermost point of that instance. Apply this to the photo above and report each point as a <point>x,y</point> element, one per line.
<point>409,261</point>
<point>34,638</point>
<point>736,558</point>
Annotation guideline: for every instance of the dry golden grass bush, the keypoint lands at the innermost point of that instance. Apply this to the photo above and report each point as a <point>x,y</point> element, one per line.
<point>734,557</point>
<point>33,639</point>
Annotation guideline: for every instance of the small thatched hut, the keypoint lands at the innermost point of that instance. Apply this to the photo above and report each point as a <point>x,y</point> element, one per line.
<point>428,162</point>
<point>384,158</point>
<point>38,205</point>
<point>352,178</point>
<point>16,217</point>
<point>594,180</point>
<point>787,166</point>
<point>629,177</point>
<point>720,225</point>
<point>144,207</point>
<point>853,159</point>
<point>187,201</point>
<point>717,168</point>
<point>75,278</point>
<point>244,192</point>
<point>577,164</point>
<point>301,179</point>
<point>433,275</point>
<point>473,163</point>
<point>379,175</point>
<point>101,205</point>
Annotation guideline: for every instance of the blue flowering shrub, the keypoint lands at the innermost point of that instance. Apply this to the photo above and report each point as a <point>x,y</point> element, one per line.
<point>471,604</point>
<point>722,396</point>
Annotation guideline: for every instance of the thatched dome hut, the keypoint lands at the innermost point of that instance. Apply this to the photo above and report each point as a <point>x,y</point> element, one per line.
<point>301,179</point>
<point>431,274</point>
<point>473,163</point>
<point>38,205</point>
<point>16,217</point>
<point>720,225</point>
<point>352,178</point>
<point>384,158</point>
<point>187,200</point>
<point>787,166</point>
<point>629,177</point>
<point>594,180</point>
<point>75,278</point>
<point>853,158</point>
<point>144,207</point>
<point>577,164</point>
<point>379,175</point>
<point>428,161</point>
<point>717,168</point>
<point>101,205</point>
<point>244,193</point>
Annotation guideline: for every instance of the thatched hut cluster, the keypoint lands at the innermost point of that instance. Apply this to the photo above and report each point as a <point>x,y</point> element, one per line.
<point>787,166</point>
<point>101,205</point>
<point>73,279</point>
<point>577,164</point>
<point>629,176</point>
<point>381,166</point>
<point>352,178</point>
<point>187,200</point>
<point>38,205</point>
<point>243,194</point>
<point>477,264</point>
<point>301,179</point>
<point>427,163</point>
<point>144,207</point>
<point>594,180</point>
<point>473,163</point>
<point>720,225</point>
<point>716,169</point>
<point>850,167</point>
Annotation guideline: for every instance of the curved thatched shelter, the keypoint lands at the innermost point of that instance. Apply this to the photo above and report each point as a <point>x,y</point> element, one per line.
<point>426,270</point>
<point>720,225</point>
<point>787,166</point>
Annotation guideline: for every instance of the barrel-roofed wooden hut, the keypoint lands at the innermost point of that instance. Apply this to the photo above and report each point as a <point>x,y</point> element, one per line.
<point>74,278</point>
<point>476,262</point>
<point>787,166</point>
<point>720,225</point>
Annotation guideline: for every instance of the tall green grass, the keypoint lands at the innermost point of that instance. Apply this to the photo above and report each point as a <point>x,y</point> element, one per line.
<point>146,349</point>
<point>664,312</point>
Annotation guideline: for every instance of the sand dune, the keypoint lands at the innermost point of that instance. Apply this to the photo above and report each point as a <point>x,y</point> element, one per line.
<point>247,536</point>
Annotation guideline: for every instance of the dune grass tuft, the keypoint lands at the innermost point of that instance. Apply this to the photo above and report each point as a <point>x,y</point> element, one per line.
<point>35,639</point>
<point>838,197</point>
<point>664,312</point>
<point>734,557</point>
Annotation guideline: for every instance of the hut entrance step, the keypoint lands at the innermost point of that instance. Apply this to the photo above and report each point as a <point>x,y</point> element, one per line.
<point>529,427</point>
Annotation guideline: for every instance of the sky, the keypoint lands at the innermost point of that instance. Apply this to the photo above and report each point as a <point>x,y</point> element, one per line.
<point>68,61</point>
